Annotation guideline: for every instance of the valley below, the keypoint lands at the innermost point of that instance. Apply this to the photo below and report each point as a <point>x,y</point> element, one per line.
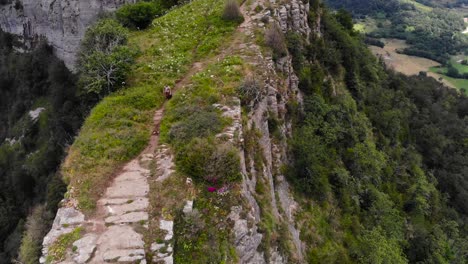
<point>406,64</point>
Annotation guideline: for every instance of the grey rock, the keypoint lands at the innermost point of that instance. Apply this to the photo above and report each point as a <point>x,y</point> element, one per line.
<point>188,208</point>
<point>124,255</point>
<point>293,17</point>
<point>167,226</point>
<point>85,248</point>
<point>156,246</point>
<point>133,217</point>
<point>66,220</point>
<point>247,240</point>
<point>62,22</point>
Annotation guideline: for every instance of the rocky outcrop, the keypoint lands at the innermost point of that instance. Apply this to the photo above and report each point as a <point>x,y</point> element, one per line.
<point>276,91</point>
<point>62,22</point>
<point>293,16</point>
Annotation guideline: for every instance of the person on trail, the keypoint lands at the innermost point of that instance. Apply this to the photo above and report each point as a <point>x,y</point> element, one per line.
<point>167,92</point>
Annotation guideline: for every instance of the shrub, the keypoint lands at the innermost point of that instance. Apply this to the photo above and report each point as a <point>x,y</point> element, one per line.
<point>209,161</point>
<point>249,91</point>
<point>139,15</point>
<point>105,35</point>
<point>105,59</point>
<point>36,228</point>
<point>200,123</point>
<point>232,12</point>
<point>274,39</point>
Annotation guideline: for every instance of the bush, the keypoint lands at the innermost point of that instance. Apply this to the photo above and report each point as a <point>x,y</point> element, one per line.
<point>274,39</point>
<point>232,12</point>
<point>249,91</point>
<point>198,124</point>
<point>206,160</point>
<point>105,59</point>
<point>139,15</point>
<point>36,229</point>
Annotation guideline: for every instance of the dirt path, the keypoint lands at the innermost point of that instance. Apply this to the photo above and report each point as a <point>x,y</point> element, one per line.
<point>121,218</point>
<point>115,233</point>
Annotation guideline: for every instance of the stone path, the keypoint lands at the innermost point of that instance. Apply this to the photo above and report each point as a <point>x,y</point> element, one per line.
<point>115,233</point>
<point>124,204</point>
<point>117,229</point>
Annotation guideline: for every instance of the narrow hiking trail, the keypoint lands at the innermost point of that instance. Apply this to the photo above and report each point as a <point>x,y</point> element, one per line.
<point>118,230</point>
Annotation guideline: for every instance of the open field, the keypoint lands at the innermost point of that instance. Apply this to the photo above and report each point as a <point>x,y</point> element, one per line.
<point>458,83</point>
<point>408,65</point>
<point>418,6</point>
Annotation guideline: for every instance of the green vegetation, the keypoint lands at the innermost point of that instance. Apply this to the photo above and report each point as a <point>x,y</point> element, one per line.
<point>138,15</point>
<point>419,6</point>
<point>119,127</point>
<point>374,157</point>
<point>461,84</point>
<point>232,12</point>
<point>31,150</point>
<point>204,235</point>
<point>36,228</point>
<point>213,162</point>
<point>192,120</point>
<point>433,33</point>
<point>104,59</point>
<point>59,248</point>
<point>456,73</point>
<point>190,124</point>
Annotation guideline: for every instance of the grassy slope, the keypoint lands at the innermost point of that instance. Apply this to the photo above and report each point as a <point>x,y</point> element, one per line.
<point>419,6</point>
<point>119,127</point>
<point>459,83</point>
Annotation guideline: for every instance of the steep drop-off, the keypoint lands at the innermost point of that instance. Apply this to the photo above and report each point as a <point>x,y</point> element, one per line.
<point>62,22</point>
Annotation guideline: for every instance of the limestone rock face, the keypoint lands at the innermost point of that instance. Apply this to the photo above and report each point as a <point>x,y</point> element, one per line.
<point>293,16</point>
<point>62,22</point>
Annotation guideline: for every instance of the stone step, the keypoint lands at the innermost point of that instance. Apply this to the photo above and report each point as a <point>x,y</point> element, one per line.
<point>128,206</point>
<point>133,217</point>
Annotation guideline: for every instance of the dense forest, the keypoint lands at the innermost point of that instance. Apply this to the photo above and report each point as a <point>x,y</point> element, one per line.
<point>446,3</point>
<point>384,157</point>
<point>39,116</point>
<point>433,33</point>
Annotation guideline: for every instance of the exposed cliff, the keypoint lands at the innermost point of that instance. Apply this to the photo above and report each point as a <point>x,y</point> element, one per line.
<point>266,132</point>
<point>62,22</point>
<point>262,198</point>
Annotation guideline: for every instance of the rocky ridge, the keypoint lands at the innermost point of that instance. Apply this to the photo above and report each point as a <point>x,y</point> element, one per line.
<point>276,93</point>
<point>116,235</point>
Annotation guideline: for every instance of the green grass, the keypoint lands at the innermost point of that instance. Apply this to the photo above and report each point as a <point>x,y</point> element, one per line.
<point>218,81</point>
<point>458,83</point>
<point>460,67</point>
<point>203,237</point>
<point>59,248</point>
<point>361,28</point>
<point>119,127</point>
<point>418,6</point>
